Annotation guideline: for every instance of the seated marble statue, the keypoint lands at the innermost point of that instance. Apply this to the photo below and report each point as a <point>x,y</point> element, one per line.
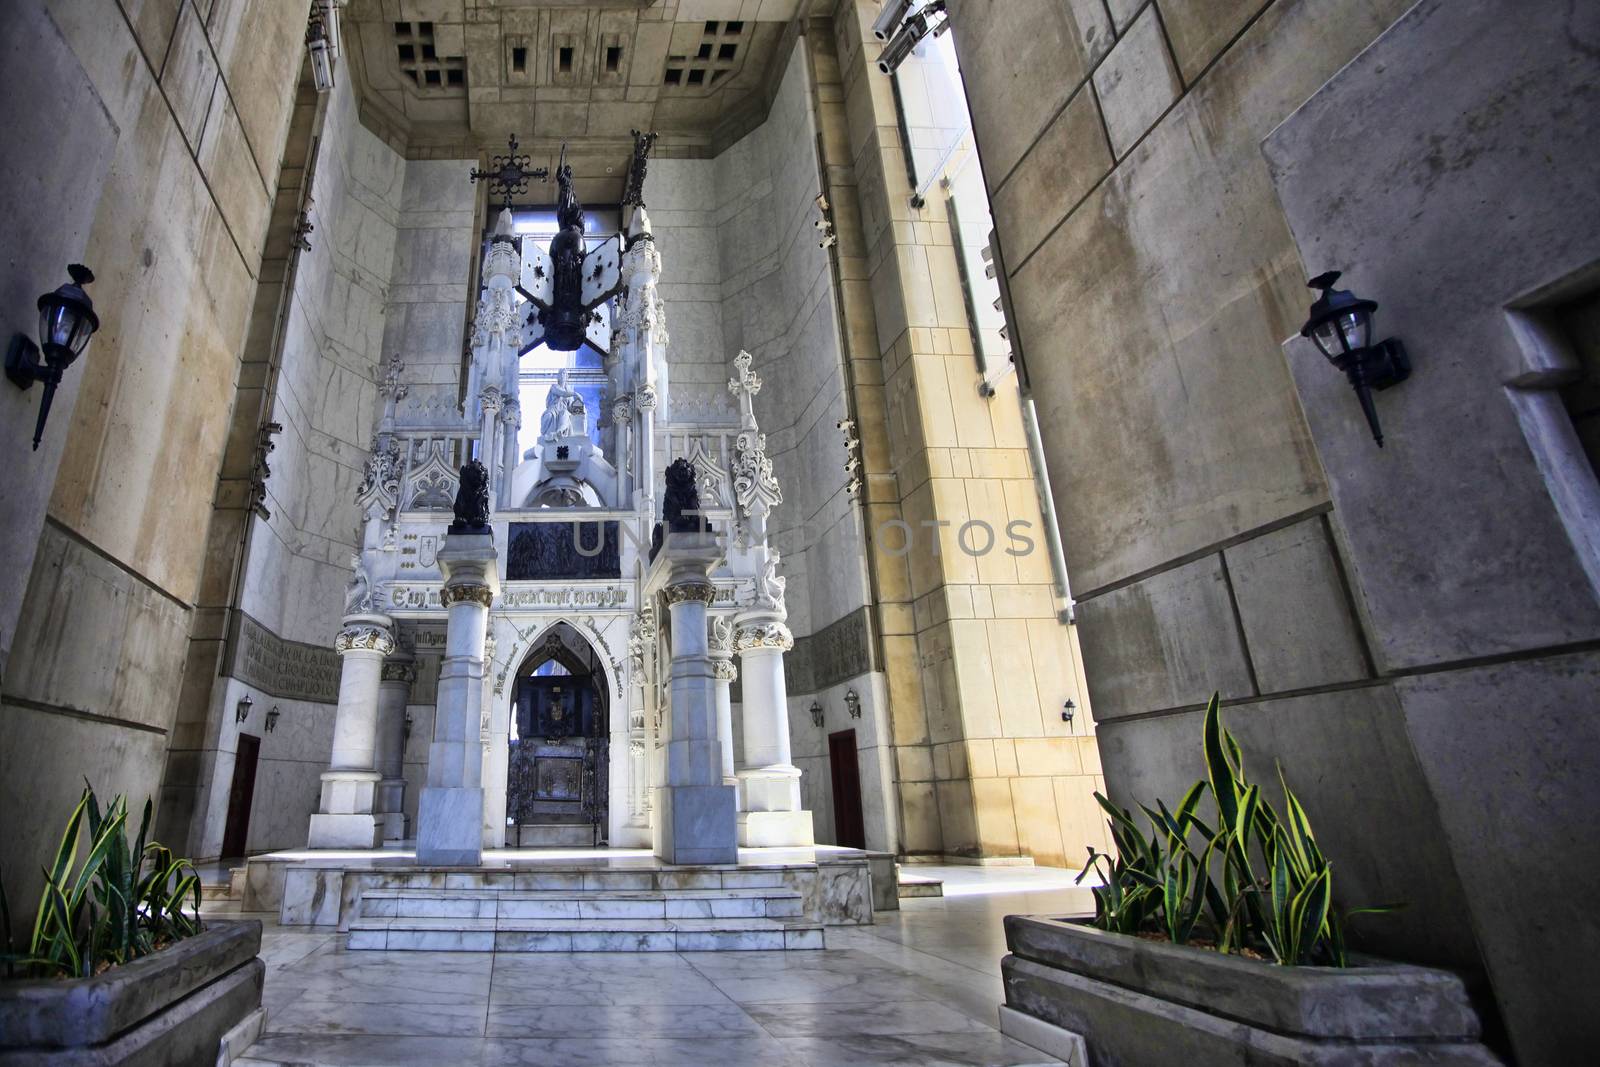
<point>559,406</point>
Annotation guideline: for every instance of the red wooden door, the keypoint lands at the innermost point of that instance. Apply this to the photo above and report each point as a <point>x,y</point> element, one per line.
<point>848,829</point>
<point>237,829</point>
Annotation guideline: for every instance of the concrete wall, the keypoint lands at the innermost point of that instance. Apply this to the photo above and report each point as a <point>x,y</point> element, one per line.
<point>1471,536</point>
<point>980,665</point>
<point>1228,522</point>
<point>325,398</point>
<point>181,110</point>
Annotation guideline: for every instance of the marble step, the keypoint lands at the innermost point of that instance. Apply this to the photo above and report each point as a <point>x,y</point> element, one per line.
<point>555,904</point>
<point>554,835</point>
<point>582,935</point>
<point>916,885</point>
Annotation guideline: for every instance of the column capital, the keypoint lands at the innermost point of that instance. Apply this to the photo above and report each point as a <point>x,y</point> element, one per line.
<point>364,637</point>
<point>679,592</point>
<point>762,634</point>
<point>399,670</point>
<point>457,592</point>
<point>724,669</point>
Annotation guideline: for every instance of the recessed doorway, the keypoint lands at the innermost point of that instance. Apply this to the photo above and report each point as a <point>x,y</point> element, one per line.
<point>557,771</point>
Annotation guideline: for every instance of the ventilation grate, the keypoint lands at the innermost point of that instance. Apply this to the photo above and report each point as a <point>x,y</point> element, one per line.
<point>714,57</point>
<point>420,62</point>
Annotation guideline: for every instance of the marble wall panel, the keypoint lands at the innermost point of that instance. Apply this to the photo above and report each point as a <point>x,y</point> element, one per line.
<point>46,757</point>
<point>1172,441</point>
<point>48,226</point>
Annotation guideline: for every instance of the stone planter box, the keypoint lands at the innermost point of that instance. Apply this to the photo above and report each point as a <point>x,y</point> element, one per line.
<point>1138,1002</point>
<point>169,1008</point>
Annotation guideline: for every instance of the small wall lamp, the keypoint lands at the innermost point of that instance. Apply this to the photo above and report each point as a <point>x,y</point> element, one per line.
<point>241,711</point>
<point>816,714</point>
<point>1068,710</point>
<point>66,322</point>
<point>272,718</point>
<point>406,727</point>
<point>1341,325</point>
<point>852,703</point>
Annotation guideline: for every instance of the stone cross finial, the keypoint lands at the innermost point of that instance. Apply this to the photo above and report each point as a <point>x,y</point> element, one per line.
<point>391,388</point>
<point>744,386</point>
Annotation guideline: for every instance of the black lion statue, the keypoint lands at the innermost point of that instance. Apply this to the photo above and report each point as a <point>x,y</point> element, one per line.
<point>472,500</point>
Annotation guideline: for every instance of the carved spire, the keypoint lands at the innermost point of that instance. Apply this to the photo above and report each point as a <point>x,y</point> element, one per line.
<point>754,486</point>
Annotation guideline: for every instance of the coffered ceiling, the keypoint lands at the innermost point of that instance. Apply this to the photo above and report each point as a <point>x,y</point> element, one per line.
<point>452,78</point>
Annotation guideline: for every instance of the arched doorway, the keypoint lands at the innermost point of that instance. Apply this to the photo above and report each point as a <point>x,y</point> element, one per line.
<point>557,773</point>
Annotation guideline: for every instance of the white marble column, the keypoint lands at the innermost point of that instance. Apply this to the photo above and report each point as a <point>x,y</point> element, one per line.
<point>450,811</point>
<point>621,420</point>
<point>770,814</point>
<point>695,817</point>
<point>510,454</point>
<point>722,666</point>
<point>345,816</point>
<point>394,690</point>
<point>489,402</point>
<point>645,478</point>
<point>495,734</point>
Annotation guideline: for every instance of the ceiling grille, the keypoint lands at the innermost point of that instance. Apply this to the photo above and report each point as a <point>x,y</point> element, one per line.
<point>716,57</point>
<point>420,61</point>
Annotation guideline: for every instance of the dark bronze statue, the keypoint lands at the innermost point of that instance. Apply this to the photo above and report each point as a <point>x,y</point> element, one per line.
<point>642,143</point>
<point>680,505</point>
<point>472,500</point>
<point>566,319</point>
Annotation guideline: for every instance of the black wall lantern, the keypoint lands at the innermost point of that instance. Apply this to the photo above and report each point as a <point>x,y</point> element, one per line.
<point>241,711</point>
<point>272,718</point>
<point>66,322</point>
<point>816,715</point>
<point>1068,709</point>
<point>1341,325</point>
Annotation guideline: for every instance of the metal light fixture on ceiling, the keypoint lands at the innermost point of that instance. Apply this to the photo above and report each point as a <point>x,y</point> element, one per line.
<point>322,42</point>
<point>1340,323</point>
<point>930,18</point>
<point>66,322</point>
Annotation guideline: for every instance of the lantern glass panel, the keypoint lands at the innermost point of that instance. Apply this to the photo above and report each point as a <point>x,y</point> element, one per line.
<point>62,323</point>
<point>1329,339</point>
<point>1356,327</point>
<point>1344,333</point>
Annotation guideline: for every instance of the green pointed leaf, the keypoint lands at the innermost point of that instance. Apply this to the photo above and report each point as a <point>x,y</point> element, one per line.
<point>1224,786</point>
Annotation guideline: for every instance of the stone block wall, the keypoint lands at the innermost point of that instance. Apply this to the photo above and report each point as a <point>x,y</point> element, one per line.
<point>1403,630</point>
<point>297,560</point>
<point>1150,303</point>
<point>1470,537</point>
<point>979,665</point>
<point>176,113</point>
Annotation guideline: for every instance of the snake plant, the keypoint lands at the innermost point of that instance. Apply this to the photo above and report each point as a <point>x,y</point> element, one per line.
<point>1276,892</point>
<point>121,903</point>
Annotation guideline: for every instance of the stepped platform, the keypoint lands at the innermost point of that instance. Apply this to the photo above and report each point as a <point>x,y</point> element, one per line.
<point>918,885</point>
<point>560,920</point>
<point>571,900</point>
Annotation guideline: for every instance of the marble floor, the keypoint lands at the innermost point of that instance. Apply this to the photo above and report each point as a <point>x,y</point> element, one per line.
<point>920,986</point>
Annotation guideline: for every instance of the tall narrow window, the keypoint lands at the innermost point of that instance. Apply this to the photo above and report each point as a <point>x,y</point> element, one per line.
<point>564,59</point>
<point>613,59</point>
<point>519,59</point>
